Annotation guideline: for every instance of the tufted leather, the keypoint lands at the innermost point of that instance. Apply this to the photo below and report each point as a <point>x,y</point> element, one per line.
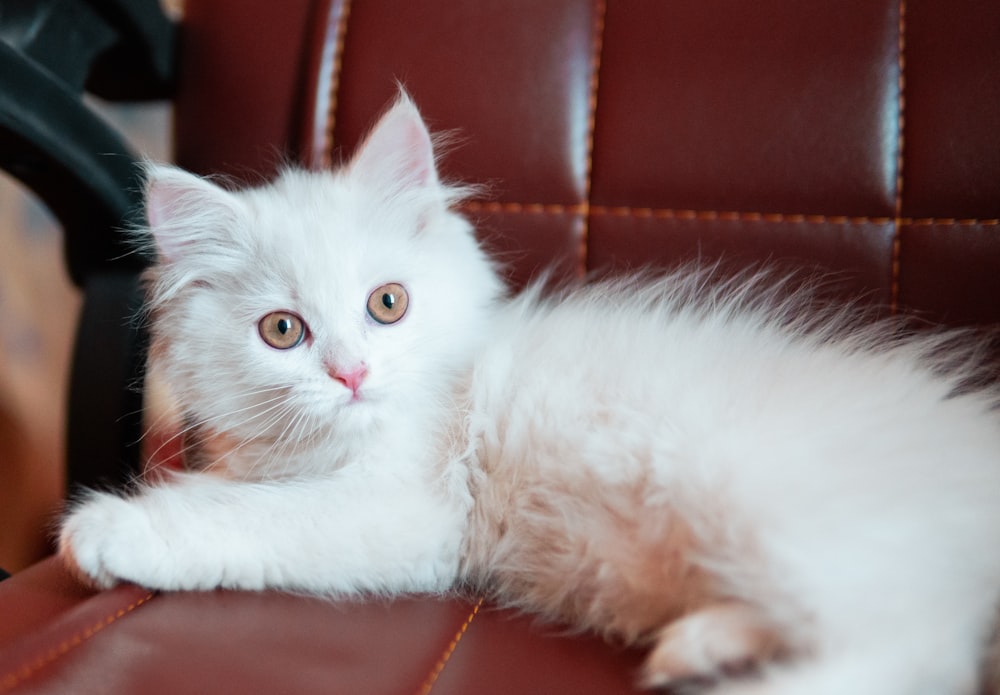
<point>58,638</point>
<point>860,137</point>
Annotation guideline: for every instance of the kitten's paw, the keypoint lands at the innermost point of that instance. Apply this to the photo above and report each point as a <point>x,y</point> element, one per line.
<point>107,539</point>
<point>721,640</point>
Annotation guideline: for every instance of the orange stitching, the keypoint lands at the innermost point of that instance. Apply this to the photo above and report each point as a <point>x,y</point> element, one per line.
<point>597,49</point>
<point>525,208</point>
<point>715,215</point>
<point>12,679</point>
<point>443,661</point>
<point>338,57</point>
<point>950,221</point>
<point>732,216</point>
<point>897,238</point>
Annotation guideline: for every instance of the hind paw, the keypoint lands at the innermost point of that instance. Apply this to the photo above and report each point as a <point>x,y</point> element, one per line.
<point>721,640</point>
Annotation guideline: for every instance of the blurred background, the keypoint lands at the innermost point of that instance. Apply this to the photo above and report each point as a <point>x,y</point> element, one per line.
<point>38,310</point>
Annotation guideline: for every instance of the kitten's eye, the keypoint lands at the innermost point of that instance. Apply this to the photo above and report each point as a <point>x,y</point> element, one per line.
<point>282,330</point>
<point>387,303</point>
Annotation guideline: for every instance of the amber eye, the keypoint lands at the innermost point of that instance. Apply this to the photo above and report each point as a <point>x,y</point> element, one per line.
<point>387,303</point>
<point>282,330</point>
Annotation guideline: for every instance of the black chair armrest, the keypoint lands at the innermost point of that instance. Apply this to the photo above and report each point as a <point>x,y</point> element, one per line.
<point>82,169</point>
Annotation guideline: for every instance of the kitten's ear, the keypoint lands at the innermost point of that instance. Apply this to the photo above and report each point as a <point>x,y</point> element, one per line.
<point>398,152</point>
<point>183,209</point>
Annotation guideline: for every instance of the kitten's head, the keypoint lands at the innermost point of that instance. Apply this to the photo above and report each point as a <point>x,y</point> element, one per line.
<point>324,309</point>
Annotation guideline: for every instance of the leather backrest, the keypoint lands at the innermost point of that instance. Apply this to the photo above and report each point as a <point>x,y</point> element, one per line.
<point>860,138</point>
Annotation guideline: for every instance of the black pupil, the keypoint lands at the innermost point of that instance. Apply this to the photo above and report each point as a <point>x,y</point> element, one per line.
<point>284,325</point>
<point>388,300</point>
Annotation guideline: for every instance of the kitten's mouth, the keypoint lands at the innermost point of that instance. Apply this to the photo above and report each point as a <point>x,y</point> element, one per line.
<point>358,400</point>
<point>350,399</point>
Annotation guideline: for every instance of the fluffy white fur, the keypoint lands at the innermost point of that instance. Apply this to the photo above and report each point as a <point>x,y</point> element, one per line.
<point>697,465</point>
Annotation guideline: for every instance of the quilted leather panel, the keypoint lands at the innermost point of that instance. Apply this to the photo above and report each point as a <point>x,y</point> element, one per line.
<point>844,138</point>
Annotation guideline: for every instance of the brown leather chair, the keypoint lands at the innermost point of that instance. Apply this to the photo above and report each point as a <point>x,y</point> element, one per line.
<point>858,138</point>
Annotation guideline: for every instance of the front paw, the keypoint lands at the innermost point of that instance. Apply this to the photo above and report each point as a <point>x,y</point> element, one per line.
<point>107,539</point>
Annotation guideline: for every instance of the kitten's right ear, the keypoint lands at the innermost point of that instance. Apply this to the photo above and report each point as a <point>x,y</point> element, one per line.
<point>184,211</point>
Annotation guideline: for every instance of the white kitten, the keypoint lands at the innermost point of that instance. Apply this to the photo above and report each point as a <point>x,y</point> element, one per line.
<point>706,470</point>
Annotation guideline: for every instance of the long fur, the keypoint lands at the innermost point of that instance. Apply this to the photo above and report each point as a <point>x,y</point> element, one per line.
<point>781,496</point>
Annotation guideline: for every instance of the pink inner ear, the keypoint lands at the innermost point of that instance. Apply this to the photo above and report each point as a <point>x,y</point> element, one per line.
<point>161,203</point>
<point>398,149</point>
<point>420,162</point>
<point>158,201</point>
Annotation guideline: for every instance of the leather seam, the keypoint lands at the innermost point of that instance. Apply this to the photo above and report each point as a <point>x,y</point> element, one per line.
<point>17,676</point>
<point>596,51</point>
<point>442,662</point>
<point>897,237</point>
<point>334,88</point>
<point>949,222</point>
<point>557,209</point>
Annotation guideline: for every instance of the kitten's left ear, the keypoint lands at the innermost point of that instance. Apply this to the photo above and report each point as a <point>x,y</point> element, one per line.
<point>398,151</point>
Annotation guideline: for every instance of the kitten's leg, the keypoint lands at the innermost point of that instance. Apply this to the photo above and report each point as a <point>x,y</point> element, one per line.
<point>347,533</point>
<point>719,639</point>
<point>730,648</point>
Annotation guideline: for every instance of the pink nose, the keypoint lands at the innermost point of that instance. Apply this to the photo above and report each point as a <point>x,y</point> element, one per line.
<point>351,378</point>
